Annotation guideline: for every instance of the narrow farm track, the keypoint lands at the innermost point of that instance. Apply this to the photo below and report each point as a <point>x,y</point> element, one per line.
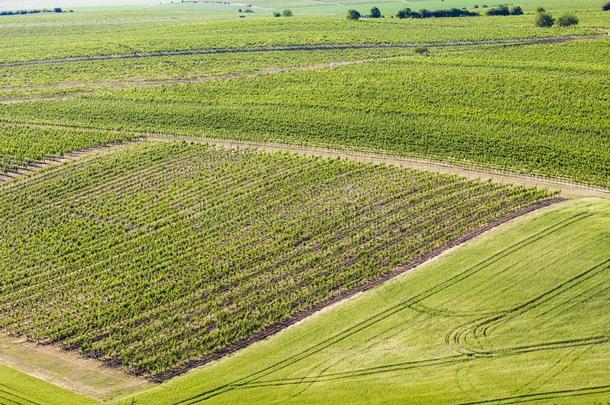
<point>212,51</point>
<point>566,188</point>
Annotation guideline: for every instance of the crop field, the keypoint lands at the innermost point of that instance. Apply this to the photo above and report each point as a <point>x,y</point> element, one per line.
<point>520,316</point>
<point>23,145</point>
<point>203,202</point>
<point>169,253</point>
<point>535,109</point>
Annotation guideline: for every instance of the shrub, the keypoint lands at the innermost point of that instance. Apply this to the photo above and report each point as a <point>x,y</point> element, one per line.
<point>516,10</point>
<point>353,14</point>
<point>423,13</point>
<point>606,7</point>
<point>540,10</point>
<point>500,10</point>
<point>422,50</point>
<point>567,20</point>
<point>375,13</point>
<point>277,14</point>
<point>287,13</point>
<point>58,10</point>
<point>544,20</point>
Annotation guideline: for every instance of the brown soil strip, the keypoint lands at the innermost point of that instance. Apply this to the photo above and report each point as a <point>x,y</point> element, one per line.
<point>565,187</point>
<point>84,376</point>
<point>357,290</point>
<point>319,47</point>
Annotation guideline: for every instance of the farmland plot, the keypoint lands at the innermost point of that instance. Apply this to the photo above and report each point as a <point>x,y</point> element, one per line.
<point>160,256</point>
<point>536,109</point>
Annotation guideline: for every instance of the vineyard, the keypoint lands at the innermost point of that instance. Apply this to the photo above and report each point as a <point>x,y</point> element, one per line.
<point>129,35</point>
<point>158,256</point>
<point>23,145</point>
<point>536,109</point>
<point>278,202</point>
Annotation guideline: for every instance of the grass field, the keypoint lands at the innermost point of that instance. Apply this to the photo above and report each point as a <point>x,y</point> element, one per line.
<point>22,389</point>
<point>517,316</point>
<point>169,254</point>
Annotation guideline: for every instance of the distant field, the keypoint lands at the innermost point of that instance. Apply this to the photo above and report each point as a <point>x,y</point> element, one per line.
<point>161,254</point>
<point>67,36</point>
<point>537,109</point>
<point>519,316</point>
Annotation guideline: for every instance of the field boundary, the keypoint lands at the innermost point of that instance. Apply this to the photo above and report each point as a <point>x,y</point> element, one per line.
<point>566,187</point>
<point>399,271</point>
<point>314,47</point>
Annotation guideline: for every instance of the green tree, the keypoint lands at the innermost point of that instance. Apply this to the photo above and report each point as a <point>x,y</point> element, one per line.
<point>567,20</point>
<point>375,13</point>
<point>544,20</point>
<point>287,13</point>
<point>353,14</point>
<point>516,10</point>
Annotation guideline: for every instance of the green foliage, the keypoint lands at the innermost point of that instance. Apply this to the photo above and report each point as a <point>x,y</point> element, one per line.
<point>500,10</point>
<point>22,145</point>
<point>287,13</point>
<point>277,14</point>
<point>375,13</point>
<point>165,253</point>
<point>353,14</point>
<point>498,313</point>
<point>567,20</point>
<point>423,13</point>
<point>544,20</point>
<point>540,10</point>
<point>85,37</point>
<point>606,7</point>
<point>516,10</point>
<point>422,50</point>
<point>493,108</point>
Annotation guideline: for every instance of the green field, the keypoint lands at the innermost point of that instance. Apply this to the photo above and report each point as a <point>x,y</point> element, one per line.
<point>19,388</point>
<point>226,245</point>
<point>24,145</point>
<point>198,206</point>
<point>518,316</point>
<point>535,109</point>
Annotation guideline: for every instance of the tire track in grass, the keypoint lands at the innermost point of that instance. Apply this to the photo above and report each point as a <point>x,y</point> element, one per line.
<point>543,396</point>
<point>480,328</point>
<point>6,392</point>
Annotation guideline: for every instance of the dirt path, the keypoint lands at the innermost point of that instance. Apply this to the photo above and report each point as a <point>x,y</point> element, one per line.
<point>68,370</point>
<point>566,188</point>
<point>508,42</point>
